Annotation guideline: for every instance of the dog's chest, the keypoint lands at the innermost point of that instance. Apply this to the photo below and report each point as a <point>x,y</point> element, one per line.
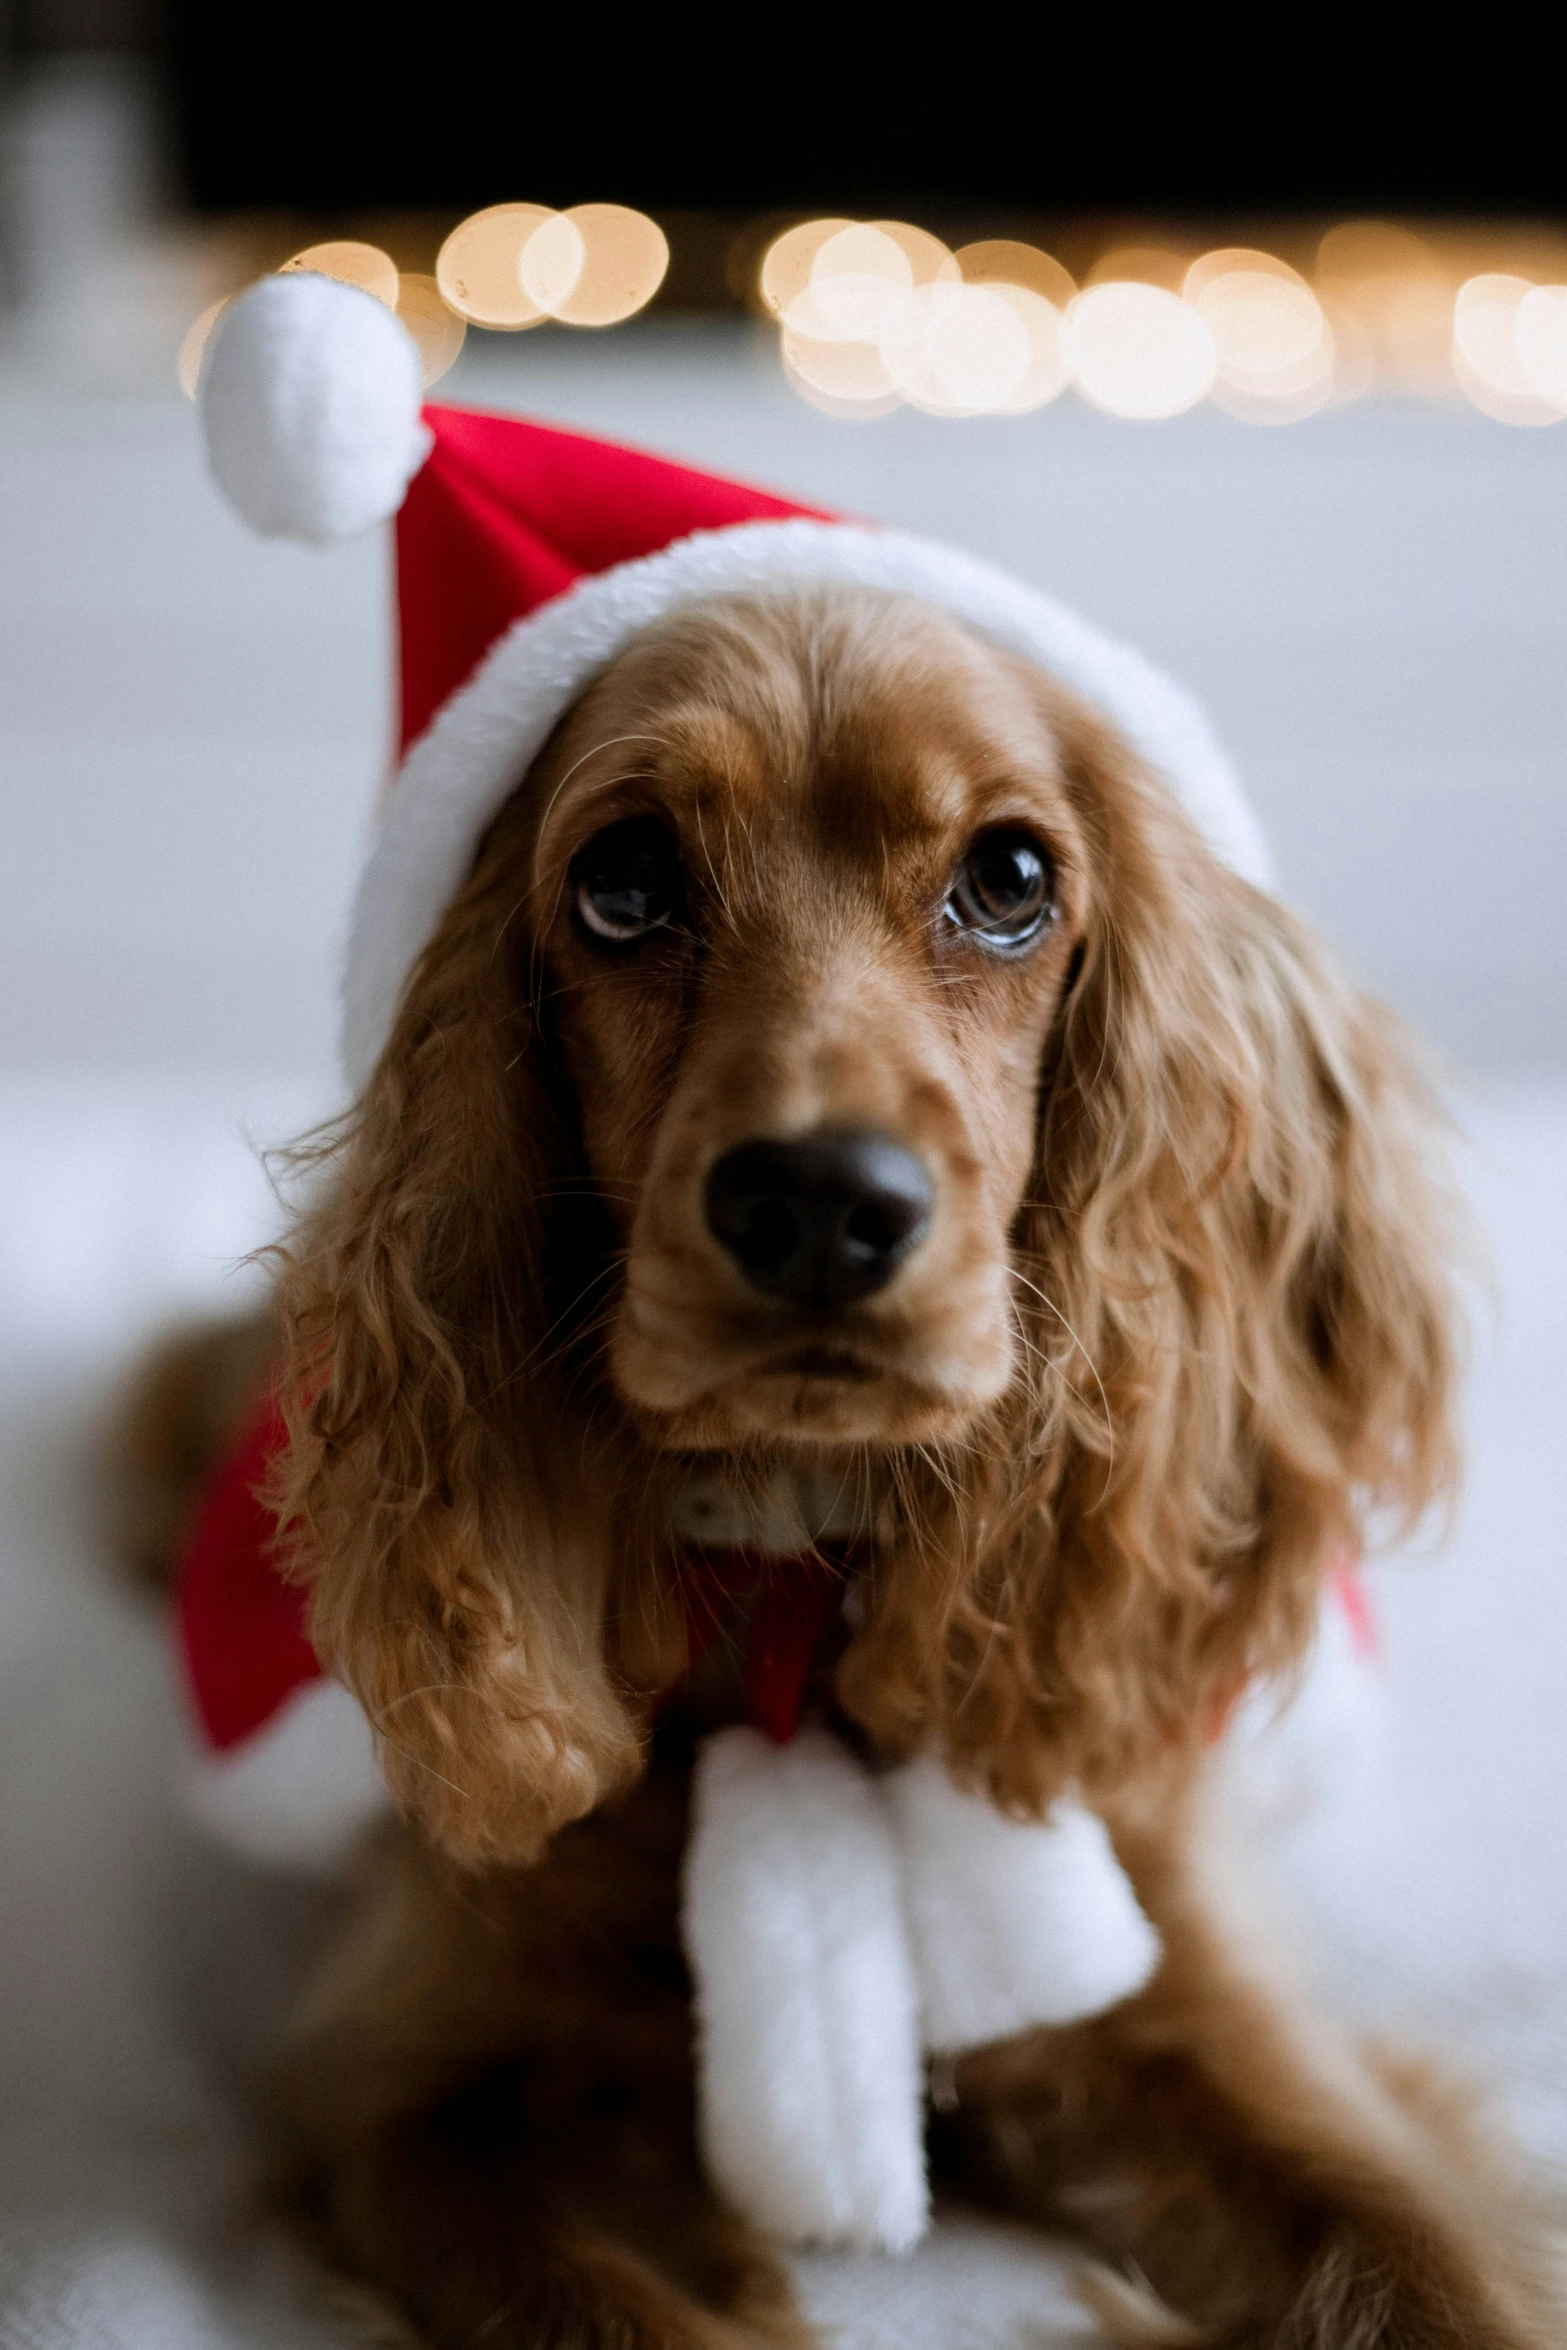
<point>781,1514</point>
<point>772,1580</point>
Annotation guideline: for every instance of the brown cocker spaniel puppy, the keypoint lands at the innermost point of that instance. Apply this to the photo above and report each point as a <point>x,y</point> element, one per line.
<point>844,1060</point>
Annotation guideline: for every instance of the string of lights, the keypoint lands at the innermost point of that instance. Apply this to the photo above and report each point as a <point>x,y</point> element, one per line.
<point>874,316</point>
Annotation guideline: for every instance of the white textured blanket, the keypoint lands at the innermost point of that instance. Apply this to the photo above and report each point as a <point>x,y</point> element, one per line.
<point>138,1968</point>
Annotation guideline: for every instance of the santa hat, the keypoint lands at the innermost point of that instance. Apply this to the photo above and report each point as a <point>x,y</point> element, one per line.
<point>830,1917</point>
<point>528,558</point>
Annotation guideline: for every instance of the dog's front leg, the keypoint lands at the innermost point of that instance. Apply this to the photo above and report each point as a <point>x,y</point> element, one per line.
<point>1216,2142</point>
<point>486,2115</point>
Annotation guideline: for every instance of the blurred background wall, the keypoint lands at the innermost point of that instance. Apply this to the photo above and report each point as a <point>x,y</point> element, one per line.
<point>1369,591</point>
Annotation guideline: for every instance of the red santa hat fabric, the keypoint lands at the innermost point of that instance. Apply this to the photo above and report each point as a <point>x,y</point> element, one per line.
<point>281,1764</point>
<point>504,515</point>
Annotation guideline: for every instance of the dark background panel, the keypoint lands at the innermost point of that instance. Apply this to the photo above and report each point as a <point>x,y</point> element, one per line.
<point>336,108</point>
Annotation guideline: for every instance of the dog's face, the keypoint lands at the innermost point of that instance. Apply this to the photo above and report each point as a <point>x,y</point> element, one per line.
<point>951,1107</point>
<point>809,882</point>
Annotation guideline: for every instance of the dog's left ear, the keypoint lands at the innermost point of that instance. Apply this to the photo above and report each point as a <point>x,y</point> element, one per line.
<point>450,1500</point>
<point>1236,1306</point>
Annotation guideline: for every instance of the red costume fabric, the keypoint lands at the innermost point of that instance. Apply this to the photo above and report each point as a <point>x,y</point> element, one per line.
<point>242,1627</point>
<point>505,514</point>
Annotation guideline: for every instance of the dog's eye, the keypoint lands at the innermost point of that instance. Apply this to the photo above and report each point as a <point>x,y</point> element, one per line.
<point>626,881</point>
<point>1003,893</point>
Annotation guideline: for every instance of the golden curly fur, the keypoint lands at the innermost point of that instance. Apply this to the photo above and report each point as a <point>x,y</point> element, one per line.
<point>1181,1326</point>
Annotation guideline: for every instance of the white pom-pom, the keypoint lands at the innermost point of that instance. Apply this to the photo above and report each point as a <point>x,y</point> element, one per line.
<point>309,399</point>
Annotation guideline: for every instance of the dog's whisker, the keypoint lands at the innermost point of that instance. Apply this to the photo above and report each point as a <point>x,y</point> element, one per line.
<point>720,896</point>
<point>531,1360</point>
<point>1051,1307</point>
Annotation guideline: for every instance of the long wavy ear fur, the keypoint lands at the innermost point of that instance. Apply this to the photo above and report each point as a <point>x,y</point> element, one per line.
<point>1235,1309</point>
<point>448,1494</point>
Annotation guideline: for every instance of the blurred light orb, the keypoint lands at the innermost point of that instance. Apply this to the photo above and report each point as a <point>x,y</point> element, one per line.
<point>1387,286</point>
<point>786,265</point>
<point>1540,333</point>
<point>550,264</point>
<point>1139,265</point>
<point>1225,260</point>
<point>858,279</point>
<point>352,264</point>
<point>927,256</point>
<point>843,279</point>
<point>1004,261</point>
<point>1045,376</point>
<point>1359,249</point>
<point>1273,342</point>
<point>193,346</point>
<point>1488,353</point>
<point>1037,290</point>
<point>1138,350</point>
<point>1485,322</point>
<point>849,379</point>
<point>478,269</point>
<point>438,333</point>
<point>957,350</point>
<point>594,265</point>
<point>1267,332</point>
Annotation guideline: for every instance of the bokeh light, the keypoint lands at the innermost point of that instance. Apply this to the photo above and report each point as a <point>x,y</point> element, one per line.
<point>1037,290</point>
<point>550,265</point>
<point>840,289</point>
<point>1273,344</point>
<point>1489,354</point>
<point>352,264</point>
<point>479,268</point>
<point>1541,335</point>
<point>847,379</point>
<point>513,265</point>
<point>1136,349</point>
<point>1225,261</point>
<point>1138,265</point>
<point>926,255</point>
<point>1046,373</point>
<point>1389,300</point>
<point>193,346</point>
<point>594,265</point>
<point>438,333</point>
<point>957,350</point>
<point>1004,261</point>
<point>859,278</point>
<point>874,313</point>
<point>786,265</point>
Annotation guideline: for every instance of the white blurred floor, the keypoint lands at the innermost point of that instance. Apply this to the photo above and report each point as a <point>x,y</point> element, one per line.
<point>192,725</point>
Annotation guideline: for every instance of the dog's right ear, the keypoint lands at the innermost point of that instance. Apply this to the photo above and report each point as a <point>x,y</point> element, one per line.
<point>447,1496</point>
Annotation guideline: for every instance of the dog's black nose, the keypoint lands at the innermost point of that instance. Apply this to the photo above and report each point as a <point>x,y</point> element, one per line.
<point>820,1221</point>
